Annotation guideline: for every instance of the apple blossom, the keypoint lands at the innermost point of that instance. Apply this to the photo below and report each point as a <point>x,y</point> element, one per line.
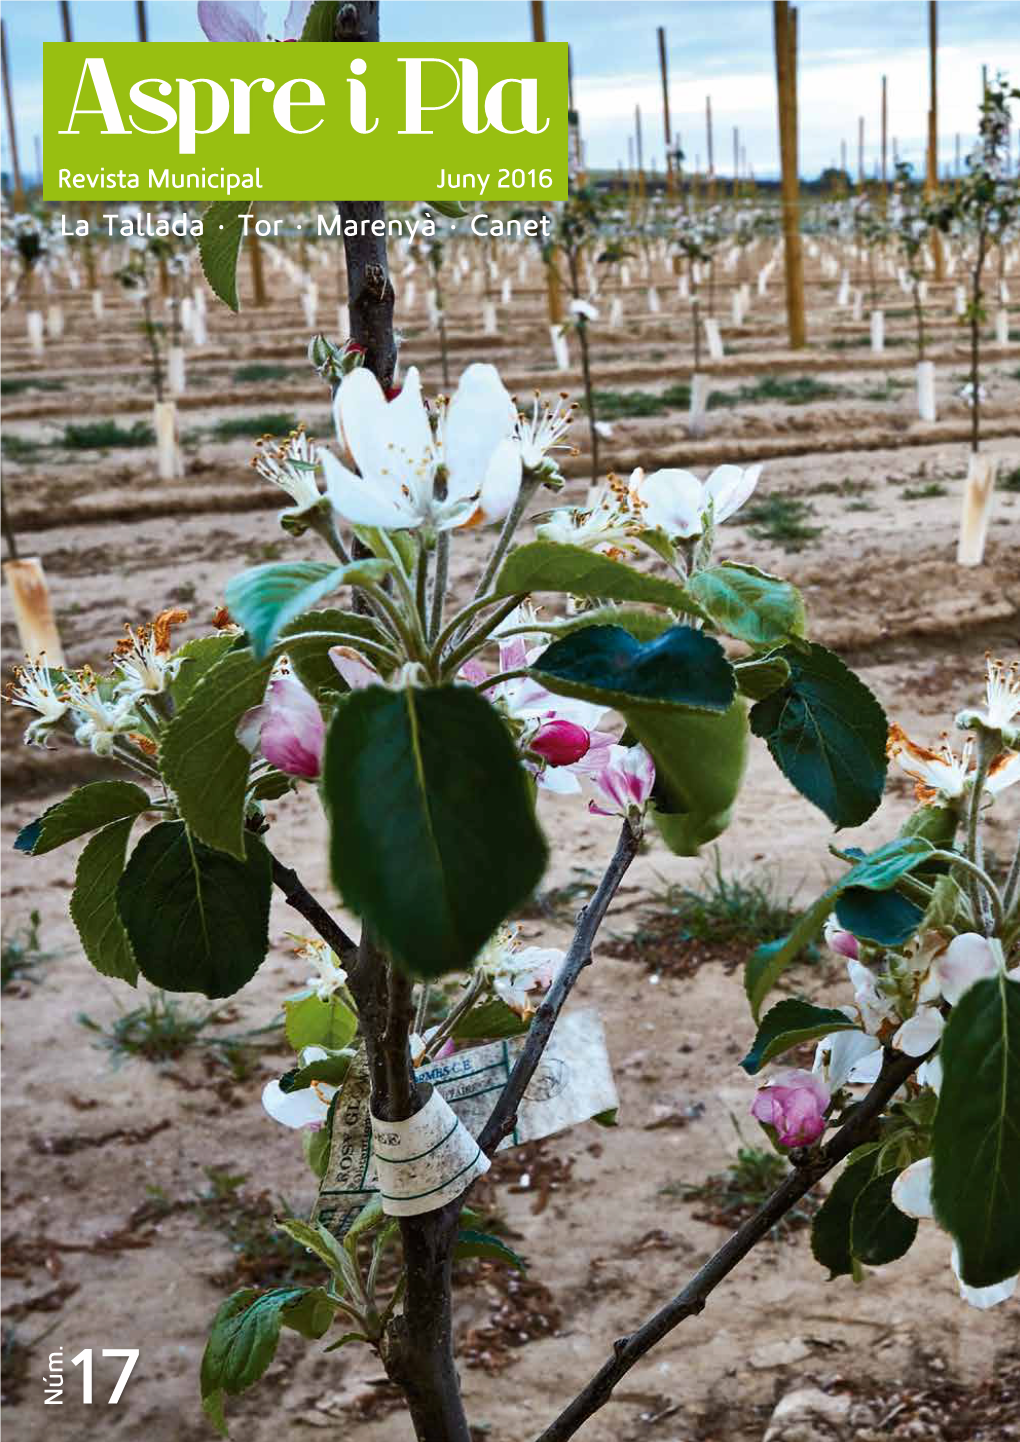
<point>842,942</point>
<point>305,1107</point>
<point>402,464</point>
<point>793,1104</point>
<point>966,959</point>
<point>287,729</point>
<point>678,504</point>
<point>143,657</point>
<point>543,430</point>
<point>237,20</point>
<point>292,465</point>
<point>1003,772</point>
<point>606,524</point>
<point>329,976</point>
<point>847,1057</point>
<point>560,742</point>
<point>519,975</point>
<point>626,782</point>
<point>940,775</point>
<point>34,686</point>
<point>99,715</point>
<point>1002,692</point>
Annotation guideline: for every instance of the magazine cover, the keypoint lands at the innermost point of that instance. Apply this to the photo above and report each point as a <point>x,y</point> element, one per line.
<point>511,720</point>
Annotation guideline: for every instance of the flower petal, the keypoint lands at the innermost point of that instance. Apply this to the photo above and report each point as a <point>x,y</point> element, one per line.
<point>728,487</point>
<point>911,1191</point>
<point>390,440</point>
<point>502,482</point>
<point>232,20</point>
<point>362,503</point>
<point>671,501</point>
<point>480,415</point>
<point>302,1108</point>
<point>982,1297</point>
<point>356,671</point>
<point>921,1032</point>
<point>968,958</point>
<point>297,14</point>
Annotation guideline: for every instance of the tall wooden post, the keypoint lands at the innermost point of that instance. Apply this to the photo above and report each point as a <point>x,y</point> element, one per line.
<point>885,131</point>
<point>860,152</point>
<point>538,19</point>
<point>554,299</point>
<point>736,162</point>
<point>639,149</point>
<point>785,38</point>
<point>932,181</point>
<point>19,193</point>
<point>711,149</point>
<point>143,24</point>
<point>666,129</point>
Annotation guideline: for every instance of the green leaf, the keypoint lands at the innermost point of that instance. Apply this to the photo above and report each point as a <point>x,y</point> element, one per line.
<point>493,1020</point>
<point>197,657</point>
<point>878,871</point>
<point>198,920</point>
<point>330,1069</point>
<point>433,832</point>
<point>264,599</point>
<point>682,667</point>
<point>311,1022</point>
<point>830,1230</point>
<point>548,566</point>
<point>644,625</point>
<point>314,1237</point>
<point>879,1231</point>
<point>750,604</point>
<point>976,1142</point>
<point>320,20</point>
<point>827,735</point>
<point>884,917</point>
<point>244,1336</point>
<point>94,902</point>
<point>483,1244</point>
<point>452,209</point>
<point>307,640</point>
<point>203,761</point>
<point>789,1023</point>
<point>759,678</point>
<point>699,765</point>
<point>86,809</point>
<point>219,246</point>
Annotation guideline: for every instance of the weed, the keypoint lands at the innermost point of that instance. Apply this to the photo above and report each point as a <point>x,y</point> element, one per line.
<point>679,395</point>
<point>260,371</point>
<point>105,435</point>
<point>264,1256</point>
<point>273,423</point>
<point>20,953</point>
<point>18,448</point>
<point>736,1194</point>
<point>861,506</point>
<point>184,594</point>
<point>14,386</point>
<point>922,493</point>
<point>1010,481</point>
<point>845,487</point>
<point>728,915</point>
<point>267,551</point>
<point>781,518</point>
<point>15,1361</point>
<point>161,1030</point>
<point>791,390</point>
<point>620,405</point>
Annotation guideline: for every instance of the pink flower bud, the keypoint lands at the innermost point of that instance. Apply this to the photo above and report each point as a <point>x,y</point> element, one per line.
<point>561,743</point>
<point>793,1104</point>
<point>287,729</point>
<point>843,943</point>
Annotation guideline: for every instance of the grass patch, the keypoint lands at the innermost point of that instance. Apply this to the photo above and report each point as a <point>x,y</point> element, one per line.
<point>163,1030</point>
<point>18,448</point>
<point>21,953</point>
<point>261,371</point>
<point>887,391</point>
<point>790,390</point>
<point>1011,480</point>
<point>783,519</point>
<point>728,915</point>
<point>106,435</point>
<point>14,386</point>
<point>730,1197</point>
<point>923,493</point>
<point>845,487</point>
<point>272,423</point>
<point>623,405</point>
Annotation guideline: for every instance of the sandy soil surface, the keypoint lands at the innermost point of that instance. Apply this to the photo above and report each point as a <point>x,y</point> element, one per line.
<point>125,1219</point>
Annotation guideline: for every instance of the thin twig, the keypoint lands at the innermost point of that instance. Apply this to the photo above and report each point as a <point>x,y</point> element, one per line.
<point>897,1066</point>
<point>504,1113</point>
<point>301,899</point>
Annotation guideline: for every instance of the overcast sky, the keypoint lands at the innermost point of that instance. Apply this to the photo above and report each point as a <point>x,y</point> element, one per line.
<point>721,48</point>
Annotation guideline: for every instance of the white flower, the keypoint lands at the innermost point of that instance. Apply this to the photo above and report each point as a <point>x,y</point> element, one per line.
<point>143,656</point>
<point>543,431</point>
<point>940,775</point>
<point>244,20</point>
<point>33,687</point>
<point>911,1193</point>
<point>292,465</point>
<point>583,309</point>
<point>98,720</point>
<point>848,1056</point>
<point>605,525</point>
<point>967,959</point>
<point>401,461</point>
<point>329,976</point>
<point>677,503</point>
<point>966,393</point>
<point>1002,693</point>
<point>919,1033</point>
<point>306,1107</point>
<point>519,975</point>
<point>874,1008</point>
<point>1004,771</point>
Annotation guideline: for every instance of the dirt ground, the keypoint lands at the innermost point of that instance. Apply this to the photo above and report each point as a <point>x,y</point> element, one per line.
<point>132,1190</point>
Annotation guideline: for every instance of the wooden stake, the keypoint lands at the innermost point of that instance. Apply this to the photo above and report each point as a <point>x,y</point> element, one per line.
<point>19,193</point>
<point>785,37</point>
<point>640,155</point>
<point>860,152</point>
<point>932,182</point>
<point>885,129</point>
<point>538,19</point>
<point>143,24</point>
<point>711,151</point>
<point>736,162</point>
<point>552,278</point>
<point>65,19</point>
<point>664,72</point>
<point>33,610</point>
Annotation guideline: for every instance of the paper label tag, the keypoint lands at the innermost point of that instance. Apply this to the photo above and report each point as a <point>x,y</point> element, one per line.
<point>425,1161</point>
<point>572,1083</point>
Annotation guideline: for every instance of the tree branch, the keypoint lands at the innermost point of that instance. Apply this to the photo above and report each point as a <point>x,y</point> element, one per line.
<point>301,899</point>
<point>504,1114</point>
<point>896,1067</point>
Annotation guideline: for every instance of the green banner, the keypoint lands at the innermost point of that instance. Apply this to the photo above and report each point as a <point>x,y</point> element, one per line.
<point>480,121</point>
